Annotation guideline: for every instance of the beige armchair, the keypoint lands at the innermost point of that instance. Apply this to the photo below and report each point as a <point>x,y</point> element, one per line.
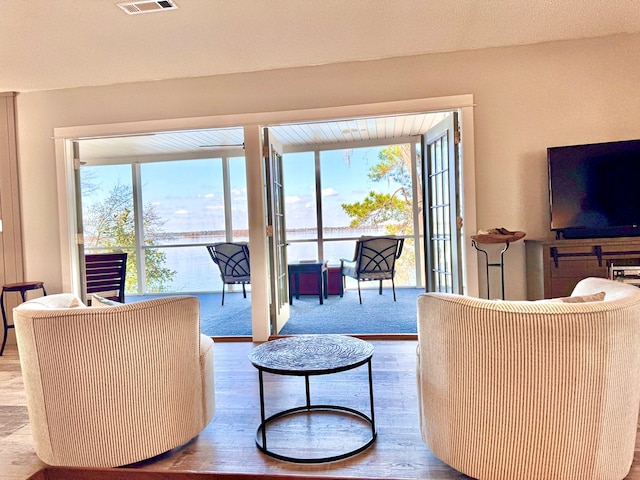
<point>112,386</point>
<point>531,390</point>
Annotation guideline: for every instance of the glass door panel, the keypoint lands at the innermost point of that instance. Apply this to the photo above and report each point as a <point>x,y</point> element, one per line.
<point>442,210</point>
<point>279,284</point>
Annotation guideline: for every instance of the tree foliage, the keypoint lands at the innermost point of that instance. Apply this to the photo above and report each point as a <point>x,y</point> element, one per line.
<point>110,224</point>
<point>392,210</point>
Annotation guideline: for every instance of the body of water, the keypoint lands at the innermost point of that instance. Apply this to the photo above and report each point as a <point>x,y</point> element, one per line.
<point>196,272</point>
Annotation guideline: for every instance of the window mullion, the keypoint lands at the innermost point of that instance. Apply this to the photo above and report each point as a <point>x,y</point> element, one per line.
<point>416,214</point>
<point>226,193</point>
<point>319,205</point>
<point>138,216</point>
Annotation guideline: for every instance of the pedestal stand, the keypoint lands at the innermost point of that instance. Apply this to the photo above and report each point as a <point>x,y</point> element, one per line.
<point>490,238</point>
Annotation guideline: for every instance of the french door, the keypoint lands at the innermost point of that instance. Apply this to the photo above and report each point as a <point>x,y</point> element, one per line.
<point>442,215</point>
<point>276,233</point>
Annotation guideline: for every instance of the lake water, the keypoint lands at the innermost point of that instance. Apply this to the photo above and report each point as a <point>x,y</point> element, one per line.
<point>196,272</point>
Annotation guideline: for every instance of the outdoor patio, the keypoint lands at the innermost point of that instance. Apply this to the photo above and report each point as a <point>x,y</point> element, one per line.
<point>378,314</point>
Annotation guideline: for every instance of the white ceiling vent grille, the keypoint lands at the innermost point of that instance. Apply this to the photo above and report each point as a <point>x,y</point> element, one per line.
<point>147,6</point>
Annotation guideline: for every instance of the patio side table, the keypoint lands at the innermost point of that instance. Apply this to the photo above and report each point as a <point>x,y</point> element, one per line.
<point>319,268</point>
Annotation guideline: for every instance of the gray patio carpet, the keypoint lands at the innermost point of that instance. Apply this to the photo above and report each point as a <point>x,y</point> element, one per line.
<point>378,314</point>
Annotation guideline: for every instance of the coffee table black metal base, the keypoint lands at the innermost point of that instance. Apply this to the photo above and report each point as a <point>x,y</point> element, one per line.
<point>309,355</point>
<point>315,408</point>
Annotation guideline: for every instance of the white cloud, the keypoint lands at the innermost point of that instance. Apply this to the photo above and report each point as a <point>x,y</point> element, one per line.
<point>329,192</point>
<point>292,199</point>
<point>181,212</point>
<point>209,195</point>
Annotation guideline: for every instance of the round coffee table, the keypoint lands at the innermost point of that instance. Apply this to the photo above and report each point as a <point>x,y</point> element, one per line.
<point>310,355</point>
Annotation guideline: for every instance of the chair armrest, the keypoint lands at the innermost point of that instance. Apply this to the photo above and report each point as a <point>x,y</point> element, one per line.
<point>344,261</point>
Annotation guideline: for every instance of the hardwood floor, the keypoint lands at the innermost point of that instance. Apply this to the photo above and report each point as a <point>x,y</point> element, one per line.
<point>227,445</point>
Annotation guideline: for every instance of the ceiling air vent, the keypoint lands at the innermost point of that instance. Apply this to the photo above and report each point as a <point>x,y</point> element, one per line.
<point>147,6</point>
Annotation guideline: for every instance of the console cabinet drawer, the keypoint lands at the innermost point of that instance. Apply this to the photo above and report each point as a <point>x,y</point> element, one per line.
<point>577,268</point>
<point>555,267</point>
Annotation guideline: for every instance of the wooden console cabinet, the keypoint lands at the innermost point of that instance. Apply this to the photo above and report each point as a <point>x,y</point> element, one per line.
<point>554,267</point>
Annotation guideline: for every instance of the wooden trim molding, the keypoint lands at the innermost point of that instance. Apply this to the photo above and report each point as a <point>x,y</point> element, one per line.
<point>11,246</point>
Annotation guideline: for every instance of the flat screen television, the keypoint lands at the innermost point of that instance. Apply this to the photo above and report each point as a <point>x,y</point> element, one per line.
<point>594,190</point>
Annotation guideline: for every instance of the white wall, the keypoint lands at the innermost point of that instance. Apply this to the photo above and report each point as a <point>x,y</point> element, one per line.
<point>528,98</point>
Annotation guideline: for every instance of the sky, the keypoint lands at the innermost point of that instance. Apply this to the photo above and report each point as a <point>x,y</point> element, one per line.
<point>188,195</point>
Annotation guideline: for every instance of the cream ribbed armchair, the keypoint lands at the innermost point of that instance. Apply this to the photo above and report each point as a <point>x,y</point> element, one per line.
<point>115,385</point>
<point>531,390</point>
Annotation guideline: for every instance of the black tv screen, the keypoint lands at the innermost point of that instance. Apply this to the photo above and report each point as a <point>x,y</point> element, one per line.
<point>594,190</point>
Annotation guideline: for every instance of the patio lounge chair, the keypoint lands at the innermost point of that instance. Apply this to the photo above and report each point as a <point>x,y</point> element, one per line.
<point>374,259</point>
<point>106,274</point>
<point>233,260</point>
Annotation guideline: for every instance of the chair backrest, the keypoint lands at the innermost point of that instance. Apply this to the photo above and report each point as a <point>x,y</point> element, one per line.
<point>110,386</point>
<point>106,274</point>
<point>517,389</point>
<point>376,256</point>
<point>233,260</point>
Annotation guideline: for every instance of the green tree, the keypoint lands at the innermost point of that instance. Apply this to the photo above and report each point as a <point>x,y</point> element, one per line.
<point>392,210</point>
<point>110,224</point>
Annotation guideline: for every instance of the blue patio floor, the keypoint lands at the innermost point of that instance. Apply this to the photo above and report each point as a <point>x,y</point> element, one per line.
<point>378,314</point>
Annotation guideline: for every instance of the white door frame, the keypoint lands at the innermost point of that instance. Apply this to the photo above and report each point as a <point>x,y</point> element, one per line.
<point>253,150</point>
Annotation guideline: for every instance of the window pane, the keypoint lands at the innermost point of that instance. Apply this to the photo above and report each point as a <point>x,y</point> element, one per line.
<point>107,206</point>
<point>183,201</point>
<point>186,270</point>
<point>302,251</point>
<point>335,250</point>
<point>238,196</point>
<point>366,191</point>
<point>108,216</point>
<point>299,178</point>
<point>405,265</point>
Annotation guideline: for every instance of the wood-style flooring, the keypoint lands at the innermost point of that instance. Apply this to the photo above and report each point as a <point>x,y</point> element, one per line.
<point>227,445</point>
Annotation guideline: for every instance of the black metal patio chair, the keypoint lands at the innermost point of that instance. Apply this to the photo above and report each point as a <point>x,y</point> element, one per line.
<point>374,259</point>
<point>233,260</point>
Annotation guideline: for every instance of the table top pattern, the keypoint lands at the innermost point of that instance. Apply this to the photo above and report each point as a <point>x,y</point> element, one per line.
<point>311,354</point>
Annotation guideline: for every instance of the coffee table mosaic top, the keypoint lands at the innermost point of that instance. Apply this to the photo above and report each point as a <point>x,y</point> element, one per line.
<point>311,354</point>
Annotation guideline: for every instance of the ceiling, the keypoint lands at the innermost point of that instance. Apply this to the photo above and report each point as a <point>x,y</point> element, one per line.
<point>58,44</point>
<point>228,141</point>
